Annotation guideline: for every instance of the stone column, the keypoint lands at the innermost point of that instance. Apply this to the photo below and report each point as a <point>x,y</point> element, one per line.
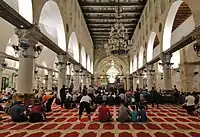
<point>135,78</point>
<point>27,49</point>
<point>167,71</point>
<point>125,83</point>
<point>140,76</point>
<point>128,83</point>
<point>85,79</point>
<point>14,81</point>
<point>35,79</point>
<point>45,81</point>
<point>2,61</point>
<point>62,64</point>
<point>77,68</point>
<point>89,80</point>
<point>150,72</point>
<point>50,80</point>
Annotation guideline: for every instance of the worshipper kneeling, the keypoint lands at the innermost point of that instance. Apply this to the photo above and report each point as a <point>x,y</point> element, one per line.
<point>37,112</point>
<point>18,112</point>
<point>104,113</point>
<point>142,116</point>
<point>124,113</point>
<point>85,104</point>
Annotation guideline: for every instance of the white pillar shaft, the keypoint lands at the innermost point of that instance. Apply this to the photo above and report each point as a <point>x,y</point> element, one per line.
<point>85,80</point>
<point>140,81</point>
<point>50,80</point>
<point>149,81</point>
<point>68,81</point>
<point>61,77</point>
<point>76,81</point>
<point>125,86</point>
<point>1,76</point>
<point>167,78</point>
<point>25,75</point>
<point>35,83</point>
<point>134,83</point>
<point>128,83</point>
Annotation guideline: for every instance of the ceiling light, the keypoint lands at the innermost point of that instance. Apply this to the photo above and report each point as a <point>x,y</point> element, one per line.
<point>21,26</point>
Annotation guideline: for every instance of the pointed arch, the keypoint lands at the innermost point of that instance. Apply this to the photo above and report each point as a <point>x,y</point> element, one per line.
<point>141,57</point>
<point>83,58</point>
<point>73,46</point>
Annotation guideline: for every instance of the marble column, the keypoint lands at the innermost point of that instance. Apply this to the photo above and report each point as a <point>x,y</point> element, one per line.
<point>135,78</point>
<point>27,45</point>
<point>85,79</point>
<point>167,71</point>
<point>140,76</point>
<point>150,72</point>
<point>128,83</point>
<point>77,68</point>
<point>45,81</point>
<point>62,64</point>
<point>50,80</point>
<point>125,83</point>
<point>2,60</point>
<point>89,80</point>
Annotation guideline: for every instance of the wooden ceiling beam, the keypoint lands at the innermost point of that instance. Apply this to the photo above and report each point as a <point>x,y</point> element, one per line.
<point>111,17</point>
<point>87,11</point>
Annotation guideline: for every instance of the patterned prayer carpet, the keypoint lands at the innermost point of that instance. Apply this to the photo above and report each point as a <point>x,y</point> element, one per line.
<point>167,121</point>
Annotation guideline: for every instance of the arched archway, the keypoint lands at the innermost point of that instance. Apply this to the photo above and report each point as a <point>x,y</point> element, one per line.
<point>88,63</point>
<point>51,23</point>
<point>23,7</point>
<point>152,43</point>
<point>172,22</point>
<point>131,65</point>
<point>73,47</point>
<point>141,57</point>
<point>83,57</point>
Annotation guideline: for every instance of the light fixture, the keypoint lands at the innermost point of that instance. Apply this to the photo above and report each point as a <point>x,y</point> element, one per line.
<point>118,43</point>
<point>21,26</point>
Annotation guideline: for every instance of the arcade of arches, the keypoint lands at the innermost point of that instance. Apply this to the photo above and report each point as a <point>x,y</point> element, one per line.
<point>51,43</point>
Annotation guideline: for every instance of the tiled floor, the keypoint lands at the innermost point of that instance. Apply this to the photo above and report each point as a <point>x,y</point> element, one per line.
<point>167,121</point>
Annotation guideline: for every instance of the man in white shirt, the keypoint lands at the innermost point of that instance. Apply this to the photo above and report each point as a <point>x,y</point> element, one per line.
<point>85,104</point>
<point>190,103</point>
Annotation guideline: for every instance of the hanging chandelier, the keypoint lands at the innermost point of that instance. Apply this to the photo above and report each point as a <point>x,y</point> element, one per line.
<point>118,43</point>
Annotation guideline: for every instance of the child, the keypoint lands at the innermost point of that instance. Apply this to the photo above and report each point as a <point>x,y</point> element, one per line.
<point>133,114</point>
<point>142,116</point>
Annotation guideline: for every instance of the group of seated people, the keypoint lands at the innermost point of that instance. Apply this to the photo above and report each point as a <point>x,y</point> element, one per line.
<point>125,114</point>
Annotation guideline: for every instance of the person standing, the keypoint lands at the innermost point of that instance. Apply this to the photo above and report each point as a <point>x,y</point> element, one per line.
<point>62,96</point>
<point>154,97</point>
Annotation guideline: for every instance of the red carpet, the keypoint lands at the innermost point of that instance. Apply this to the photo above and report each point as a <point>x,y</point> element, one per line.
<point>108,126</point>
<point>18,127</point>
<point>90,134</point>
<point>35,126</point>
<point>38,134</point>
<point>125,134</point>
<point>159,134</point>
<point>177,134</point>
<point>49,127</point>
<point>123,127</point>
<point>138,126</point>
<point>79,126</point>
<point>72,134</point>
<point>4,134</point>
<point>55,134</point>
<point>142,134</point>
<point>153,126</point>
<point>93,126</point>
<point>21,134</point>
<point>107,134</point>
<point>64,126</point>
<point>63,123</point>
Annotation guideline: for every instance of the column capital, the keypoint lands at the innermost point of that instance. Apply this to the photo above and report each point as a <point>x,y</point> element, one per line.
<point>166,60</point>
<point>28,37</point>
<point>62,59</point>
<point>76,67</point>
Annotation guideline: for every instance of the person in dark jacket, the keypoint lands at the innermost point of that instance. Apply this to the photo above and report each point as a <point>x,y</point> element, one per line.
<point>62,95</point>
<point>154,97</point>
<point>137,99</point>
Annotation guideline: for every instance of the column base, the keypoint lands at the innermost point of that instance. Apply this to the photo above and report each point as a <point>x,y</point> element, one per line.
<point>27,98</point>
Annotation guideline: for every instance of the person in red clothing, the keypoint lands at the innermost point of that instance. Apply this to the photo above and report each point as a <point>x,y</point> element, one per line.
<point>104,113</point>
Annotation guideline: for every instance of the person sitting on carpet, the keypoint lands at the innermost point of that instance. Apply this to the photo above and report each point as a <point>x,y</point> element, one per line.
<point>18,112</point>
<point>142,116</point>
<point>133,114</point>
<point>85,104</point>
<point>37,112</point>
<point>124,113</point>
<point>104,113</point>
<point>105,98</point>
